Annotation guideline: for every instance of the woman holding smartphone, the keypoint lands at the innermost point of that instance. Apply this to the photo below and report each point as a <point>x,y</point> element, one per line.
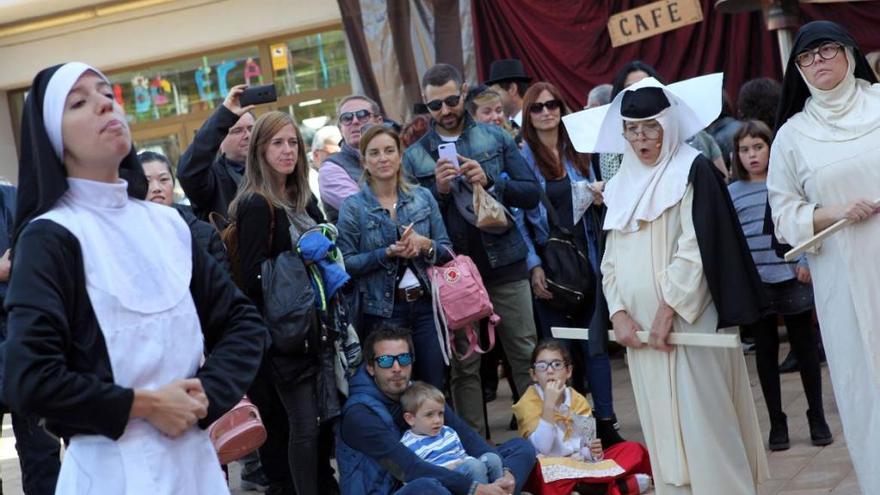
<point>390,233</point>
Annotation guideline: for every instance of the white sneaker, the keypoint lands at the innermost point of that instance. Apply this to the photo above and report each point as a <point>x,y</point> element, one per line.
<point>644,482</point>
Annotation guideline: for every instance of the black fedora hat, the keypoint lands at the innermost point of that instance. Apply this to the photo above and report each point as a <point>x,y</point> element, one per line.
<point>508,69</point>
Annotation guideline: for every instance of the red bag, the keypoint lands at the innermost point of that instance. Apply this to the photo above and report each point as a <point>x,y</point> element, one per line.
<point>238,432</point>
<point>461,302</point>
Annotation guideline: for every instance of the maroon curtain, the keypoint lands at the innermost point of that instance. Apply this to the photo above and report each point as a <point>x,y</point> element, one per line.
<point>569,45</point>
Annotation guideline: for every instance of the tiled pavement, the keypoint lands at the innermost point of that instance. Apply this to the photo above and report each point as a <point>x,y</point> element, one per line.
<point>801,470</point>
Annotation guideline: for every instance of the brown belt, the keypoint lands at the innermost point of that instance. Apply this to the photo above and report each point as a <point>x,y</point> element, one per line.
<point>411,294</point>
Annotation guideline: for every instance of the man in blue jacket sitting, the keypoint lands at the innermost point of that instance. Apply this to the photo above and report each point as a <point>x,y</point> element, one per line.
<point>371,459</point>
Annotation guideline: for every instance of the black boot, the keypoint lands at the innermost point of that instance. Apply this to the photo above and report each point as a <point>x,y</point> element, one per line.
<point>790,364</point>
<point>606,432</point>
<point>820,434</point>
<point>779,433</point>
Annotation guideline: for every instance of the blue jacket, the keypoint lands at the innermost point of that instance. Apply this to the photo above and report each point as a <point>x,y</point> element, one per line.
<point>371,459</point>
<point>496,152</point>
<point>366,230</point>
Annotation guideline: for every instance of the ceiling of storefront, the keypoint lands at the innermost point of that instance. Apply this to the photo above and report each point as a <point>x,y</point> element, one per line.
<point>19,10</point>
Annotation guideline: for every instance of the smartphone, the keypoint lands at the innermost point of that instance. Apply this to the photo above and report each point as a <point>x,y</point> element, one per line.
<point>448,151</point>
<point>256,95</point>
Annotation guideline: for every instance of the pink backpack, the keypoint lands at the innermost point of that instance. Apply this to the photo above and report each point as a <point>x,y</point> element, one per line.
<point>460,303</point>
<point>238,432</point>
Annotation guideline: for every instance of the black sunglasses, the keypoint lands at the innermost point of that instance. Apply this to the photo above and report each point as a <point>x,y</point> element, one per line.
<point>549,105</point>
<point>347,117</point>
<point>450,101</point>
<point>387,361</point>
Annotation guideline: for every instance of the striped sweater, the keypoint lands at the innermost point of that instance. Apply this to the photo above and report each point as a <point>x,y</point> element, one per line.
<point>444,449</point>
<point>750,200</point>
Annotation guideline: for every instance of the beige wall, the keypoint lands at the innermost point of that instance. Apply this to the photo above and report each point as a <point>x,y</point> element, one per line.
<point>8,154</point>
<point>178,28</point>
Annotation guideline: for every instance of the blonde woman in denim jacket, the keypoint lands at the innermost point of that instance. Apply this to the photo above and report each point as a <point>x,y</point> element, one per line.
<point>389,234</point>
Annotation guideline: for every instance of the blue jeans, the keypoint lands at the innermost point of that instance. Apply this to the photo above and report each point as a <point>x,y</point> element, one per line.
<point>486,469</point>
<point>517,455</point>
<point>418,316</point>
<point>597,368</point>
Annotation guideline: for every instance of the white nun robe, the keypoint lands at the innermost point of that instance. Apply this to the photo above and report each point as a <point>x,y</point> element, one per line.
<point>695,404</point>
<point>829,154</point>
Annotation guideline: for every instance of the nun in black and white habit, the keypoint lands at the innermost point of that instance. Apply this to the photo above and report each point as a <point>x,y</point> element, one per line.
<point>825,157</point>
<point>112,306</point>
<point>676,260</point>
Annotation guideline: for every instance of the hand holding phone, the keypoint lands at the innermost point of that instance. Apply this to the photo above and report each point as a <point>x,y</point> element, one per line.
<point>447,151</point>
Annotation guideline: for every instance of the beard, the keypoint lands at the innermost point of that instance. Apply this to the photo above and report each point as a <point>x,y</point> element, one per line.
<point>451,122</point>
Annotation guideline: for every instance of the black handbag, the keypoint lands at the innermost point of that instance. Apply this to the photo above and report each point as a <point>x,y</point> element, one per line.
<point>289,304</point>
<point>569,276</point>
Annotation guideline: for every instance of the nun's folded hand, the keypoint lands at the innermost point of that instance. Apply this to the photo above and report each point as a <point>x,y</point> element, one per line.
<point>661,327</point>
<point>625,329</point>
<point>174,410</point>
<point>860,210</point>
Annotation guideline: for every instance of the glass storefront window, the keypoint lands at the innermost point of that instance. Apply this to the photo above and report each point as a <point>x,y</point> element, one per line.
<point>186,86</point>
<point>308,63</point>
<point>313,115</point>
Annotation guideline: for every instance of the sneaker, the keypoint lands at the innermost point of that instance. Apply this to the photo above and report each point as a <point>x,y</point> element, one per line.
<point>644,481</point>
<point>605,431</point>
<point>790,364</point>
<point>254,481</point>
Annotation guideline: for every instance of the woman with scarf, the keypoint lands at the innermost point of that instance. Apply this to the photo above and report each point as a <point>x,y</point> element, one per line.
<point>112,307</point>
<point>824,167</point>
<point>676,261</point>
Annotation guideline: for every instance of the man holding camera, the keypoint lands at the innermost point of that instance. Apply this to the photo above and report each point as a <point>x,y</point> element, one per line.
<point>210,179</point>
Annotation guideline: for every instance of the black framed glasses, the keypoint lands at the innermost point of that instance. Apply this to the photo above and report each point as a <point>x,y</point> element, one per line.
<point>387,361</point>
<point>549,105</point>
<point>826,50</point>
<point>450,101</point>
<point>348,117</point>
<point>543,366</point>
<point>650,131</point>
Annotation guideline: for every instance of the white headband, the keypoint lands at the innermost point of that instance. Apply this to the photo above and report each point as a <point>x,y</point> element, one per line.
<point>56,94</point>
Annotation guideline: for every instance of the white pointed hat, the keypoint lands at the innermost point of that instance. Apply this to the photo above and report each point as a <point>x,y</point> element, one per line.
<point>696,101</point>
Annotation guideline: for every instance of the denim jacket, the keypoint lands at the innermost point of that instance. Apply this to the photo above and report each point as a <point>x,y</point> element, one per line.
<point>537,217</point>
<point>366,230</point>
<point>496,152</point>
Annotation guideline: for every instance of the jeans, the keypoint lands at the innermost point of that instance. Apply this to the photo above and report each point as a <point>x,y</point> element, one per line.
<point>517,455</point>
<point>805,347</point>
<point>516,334</point>
<point>418,316</point>
<point>486,469</point>
<point>596,368</point>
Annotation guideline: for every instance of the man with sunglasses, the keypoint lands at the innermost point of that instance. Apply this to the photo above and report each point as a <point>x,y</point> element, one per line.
<point>339,174</point>
<point>210,179</point>
<point>489,157</point>
<point>371,458</point>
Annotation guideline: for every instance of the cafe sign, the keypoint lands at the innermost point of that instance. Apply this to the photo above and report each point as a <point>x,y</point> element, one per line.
<point>652,19</point>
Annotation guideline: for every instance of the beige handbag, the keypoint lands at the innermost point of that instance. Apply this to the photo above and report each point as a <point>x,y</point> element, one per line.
<point>490,215</point>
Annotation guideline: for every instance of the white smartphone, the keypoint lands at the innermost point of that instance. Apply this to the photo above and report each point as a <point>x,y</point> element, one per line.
<point>448,151</point>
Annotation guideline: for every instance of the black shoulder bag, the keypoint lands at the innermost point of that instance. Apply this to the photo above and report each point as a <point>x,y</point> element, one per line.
<point>569,276</point>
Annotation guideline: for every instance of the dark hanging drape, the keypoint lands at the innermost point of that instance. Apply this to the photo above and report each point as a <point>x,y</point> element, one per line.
<point>566,41</point>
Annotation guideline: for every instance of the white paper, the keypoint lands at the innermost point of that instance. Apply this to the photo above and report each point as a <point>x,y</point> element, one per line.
<point>581,199</point>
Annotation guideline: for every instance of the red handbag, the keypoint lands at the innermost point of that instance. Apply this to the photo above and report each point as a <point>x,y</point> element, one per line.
<point>238,432</point>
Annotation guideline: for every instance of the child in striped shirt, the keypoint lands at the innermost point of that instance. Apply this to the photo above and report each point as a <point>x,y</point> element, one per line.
<point>438,444</point>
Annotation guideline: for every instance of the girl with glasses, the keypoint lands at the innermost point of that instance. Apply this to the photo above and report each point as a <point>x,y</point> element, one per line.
<point>560,170</point>
<point>546,417</point>
<point>824,168</point>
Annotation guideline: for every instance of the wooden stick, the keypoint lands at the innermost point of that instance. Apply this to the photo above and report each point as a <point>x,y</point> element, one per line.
<point>821,236</point>
<point>717,340</point>
<point>816,239</point>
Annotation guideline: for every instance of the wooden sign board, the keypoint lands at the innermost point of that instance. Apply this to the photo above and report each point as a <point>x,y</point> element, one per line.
<point>652,19</point>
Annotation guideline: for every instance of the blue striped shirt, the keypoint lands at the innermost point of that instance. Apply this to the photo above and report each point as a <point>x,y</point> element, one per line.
<point>444,449</point>
<point>750,200</point>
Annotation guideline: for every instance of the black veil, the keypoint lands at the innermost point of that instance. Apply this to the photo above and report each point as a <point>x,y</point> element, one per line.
<point>42,178</point>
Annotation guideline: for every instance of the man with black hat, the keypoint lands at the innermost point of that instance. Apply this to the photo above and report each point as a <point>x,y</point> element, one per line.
<point>509,79</point>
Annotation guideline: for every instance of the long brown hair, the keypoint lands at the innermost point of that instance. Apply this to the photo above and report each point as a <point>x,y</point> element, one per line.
<point>257,175</point>
<point>550,166</point>
<point>752,129</point>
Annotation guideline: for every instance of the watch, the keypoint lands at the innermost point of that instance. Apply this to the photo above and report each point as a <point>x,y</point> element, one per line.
<point>430,252</point>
